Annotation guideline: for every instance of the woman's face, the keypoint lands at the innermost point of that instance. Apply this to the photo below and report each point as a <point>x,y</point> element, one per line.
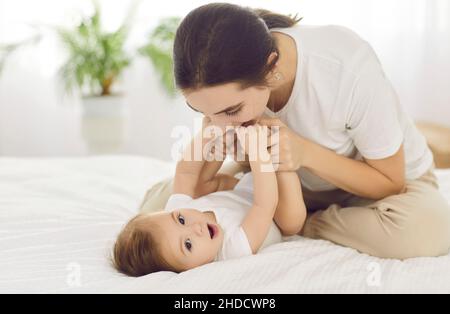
<point>228,105</point>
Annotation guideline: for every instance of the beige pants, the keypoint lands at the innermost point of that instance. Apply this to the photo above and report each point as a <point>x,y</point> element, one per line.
<point>415,223</point>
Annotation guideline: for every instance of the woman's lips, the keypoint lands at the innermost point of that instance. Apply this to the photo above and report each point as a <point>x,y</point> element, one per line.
<point>248,123</point>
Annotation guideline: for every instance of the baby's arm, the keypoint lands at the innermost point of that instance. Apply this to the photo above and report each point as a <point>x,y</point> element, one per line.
<point>199,177</point>
<point>257,222</point>
<point>290,215</point>
<point>210,181</point>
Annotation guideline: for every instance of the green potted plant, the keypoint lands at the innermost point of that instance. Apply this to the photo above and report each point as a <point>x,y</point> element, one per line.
<point>95,61</point>
<point>159,50</point>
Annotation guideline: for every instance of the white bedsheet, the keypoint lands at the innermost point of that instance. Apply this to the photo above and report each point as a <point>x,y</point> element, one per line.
<point>59,218</point>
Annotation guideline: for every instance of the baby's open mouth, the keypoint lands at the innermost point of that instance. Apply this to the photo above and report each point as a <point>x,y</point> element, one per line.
<point>212,231</point>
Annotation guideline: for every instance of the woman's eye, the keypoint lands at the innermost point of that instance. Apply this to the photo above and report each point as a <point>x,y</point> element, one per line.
<point>181,219</point>
<point>233,113</point>
<point>188,245</point>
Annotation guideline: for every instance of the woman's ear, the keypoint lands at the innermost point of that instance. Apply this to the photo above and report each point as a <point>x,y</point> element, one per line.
<point>273,75</point>
<point>271,57</point>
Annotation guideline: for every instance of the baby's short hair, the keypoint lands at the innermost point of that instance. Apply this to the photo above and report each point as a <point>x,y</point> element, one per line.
<point>137,252</point>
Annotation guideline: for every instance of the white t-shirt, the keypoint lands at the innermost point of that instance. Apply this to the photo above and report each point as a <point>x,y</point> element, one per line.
<point>342,100</point>
<point>230,208</point>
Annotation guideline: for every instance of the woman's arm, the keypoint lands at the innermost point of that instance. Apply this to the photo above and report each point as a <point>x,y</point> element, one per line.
<point>374,179</point>
<point>290,215</point>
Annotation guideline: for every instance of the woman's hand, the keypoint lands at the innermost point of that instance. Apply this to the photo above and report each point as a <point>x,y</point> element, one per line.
<point>288,149</point>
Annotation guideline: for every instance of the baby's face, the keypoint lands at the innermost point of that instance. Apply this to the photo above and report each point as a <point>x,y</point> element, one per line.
<point>191,238</point>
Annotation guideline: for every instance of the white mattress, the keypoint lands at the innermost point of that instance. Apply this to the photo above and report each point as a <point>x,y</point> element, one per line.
<point>59,218</point>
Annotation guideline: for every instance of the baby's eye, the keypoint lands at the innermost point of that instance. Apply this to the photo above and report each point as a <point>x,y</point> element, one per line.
<point>181,219</point>
<point>188,244</point>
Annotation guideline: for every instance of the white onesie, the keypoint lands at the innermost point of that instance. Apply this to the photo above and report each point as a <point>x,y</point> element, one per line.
<point>230,208</point>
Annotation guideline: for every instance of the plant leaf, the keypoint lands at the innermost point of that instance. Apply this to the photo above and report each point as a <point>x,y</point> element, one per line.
<point>159,51</point>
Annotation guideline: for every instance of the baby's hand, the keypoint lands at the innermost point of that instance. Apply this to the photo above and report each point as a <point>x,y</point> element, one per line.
<point>253,141</point>
<point>211,144</point>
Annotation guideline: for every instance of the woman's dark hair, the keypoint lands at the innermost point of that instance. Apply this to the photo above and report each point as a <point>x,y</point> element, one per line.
<point>222,43</point>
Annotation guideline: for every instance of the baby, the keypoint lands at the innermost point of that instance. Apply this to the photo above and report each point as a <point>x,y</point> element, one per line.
<point>210,216</point>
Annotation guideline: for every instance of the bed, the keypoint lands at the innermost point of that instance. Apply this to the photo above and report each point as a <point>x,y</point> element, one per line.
<point>59,218</point>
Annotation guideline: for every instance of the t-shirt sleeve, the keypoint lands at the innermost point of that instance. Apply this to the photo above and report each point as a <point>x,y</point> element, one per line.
<point>372,117</point>
<point>236,245</point>
<point>177,201</point>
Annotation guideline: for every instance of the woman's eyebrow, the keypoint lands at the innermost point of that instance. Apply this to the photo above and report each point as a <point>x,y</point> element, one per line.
<point>225,110</point>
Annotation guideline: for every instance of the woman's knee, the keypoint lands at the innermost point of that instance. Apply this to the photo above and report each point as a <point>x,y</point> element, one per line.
<point>156,197</point>
<point>438,229</point>
<point>424,233</point>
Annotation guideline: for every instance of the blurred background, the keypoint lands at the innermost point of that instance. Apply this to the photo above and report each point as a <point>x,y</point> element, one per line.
<point>43,113</point>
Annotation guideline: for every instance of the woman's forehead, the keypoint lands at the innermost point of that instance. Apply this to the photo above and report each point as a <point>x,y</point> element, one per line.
<point>213,99</point>
<point>207,90</point>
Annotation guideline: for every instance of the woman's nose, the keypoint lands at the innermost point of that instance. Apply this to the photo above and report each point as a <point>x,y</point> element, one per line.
<point>219,123</point>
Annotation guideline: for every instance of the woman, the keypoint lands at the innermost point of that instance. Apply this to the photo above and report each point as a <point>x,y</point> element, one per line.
<point>366,171</point>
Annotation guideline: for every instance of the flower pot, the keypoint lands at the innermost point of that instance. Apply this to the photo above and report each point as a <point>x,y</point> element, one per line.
<point>103,123</point>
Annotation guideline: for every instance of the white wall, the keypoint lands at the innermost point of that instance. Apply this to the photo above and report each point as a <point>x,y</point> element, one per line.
<point>411,38</point>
